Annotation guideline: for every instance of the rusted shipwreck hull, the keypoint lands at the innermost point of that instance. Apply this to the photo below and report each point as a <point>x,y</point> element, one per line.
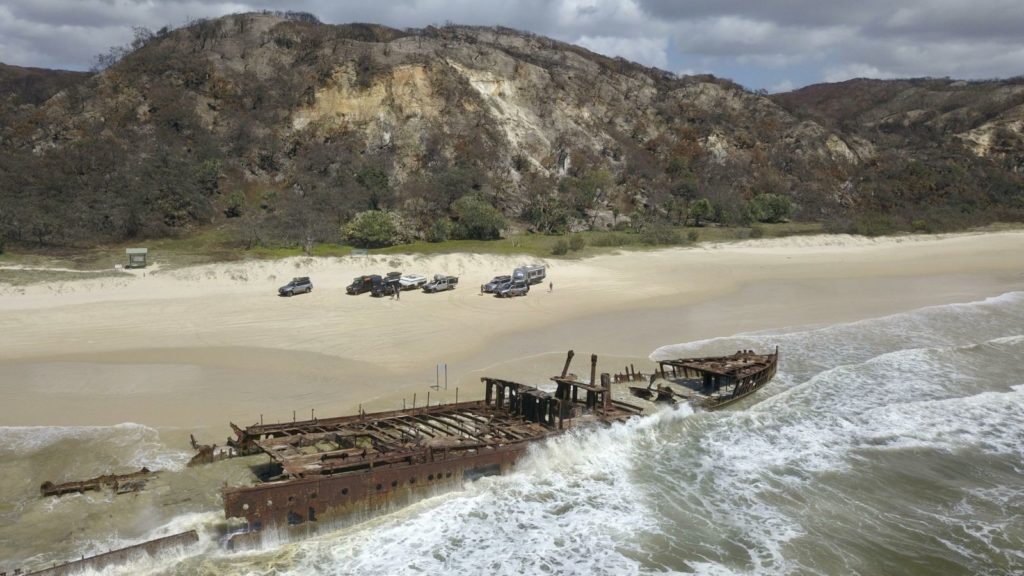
<point>119,483</point>
<point>330,471</point>
<point>710,383</point>
<point>119,557</point>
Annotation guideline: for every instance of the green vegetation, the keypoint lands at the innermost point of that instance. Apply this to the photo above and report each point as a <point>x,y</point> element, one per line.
<point>477,219</point>
<point>701,210</point>
<point>374,229</point>
<point>770,208</point>
<point>177,147</point>
<point>214,245</point>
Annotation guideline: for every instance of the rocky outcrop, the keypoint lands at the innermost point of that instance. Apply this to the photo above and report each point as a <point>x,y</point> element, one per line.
<point>317,121</point>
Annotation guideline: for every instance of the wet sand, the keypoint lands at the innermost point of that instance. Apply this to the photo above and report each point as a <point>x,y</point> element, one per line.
<point>194,348</point>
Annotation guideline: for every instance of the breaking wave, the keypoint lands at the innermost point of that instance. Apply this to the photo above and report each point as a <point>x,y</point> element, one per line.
<point>878,441</point>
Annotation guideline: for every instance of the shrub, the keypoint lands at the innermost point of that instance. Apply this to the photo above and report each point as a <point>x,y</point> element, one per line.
<point>374,229</point>
<point>769,208</point>
<point>756,231</point>
<point>660,234</point>
<point>561,247</point>
<point>235,203</point>
<point>576,242</point>
<point>612,239</point>
<point>701,210</point>
<point>874,224</point>
<point>920,226</point>
<point>440,230</point>
<point>478,219</point>
<point>693,236</point>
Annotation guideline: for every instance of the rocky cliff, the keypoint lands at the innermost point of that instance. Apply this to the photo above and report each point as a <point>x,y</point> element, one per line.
<point>286,128</point>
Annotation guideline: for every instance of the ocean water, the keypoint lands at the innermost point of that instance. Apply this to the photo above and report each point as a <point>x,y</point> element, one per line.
<point>892,445</point>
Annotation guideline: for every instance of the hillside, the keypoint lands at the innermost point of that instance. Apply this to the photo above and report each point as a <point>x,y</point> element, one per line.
<point>285,128</point>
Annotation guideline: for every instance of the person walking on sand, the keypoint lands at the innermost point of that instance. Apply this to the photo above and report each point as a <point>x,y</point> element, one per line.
<point>551,286</point>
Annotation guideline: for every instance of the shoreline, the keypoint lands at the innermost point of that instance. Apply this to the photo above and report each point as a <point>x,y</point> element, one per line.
<point>198,346</point>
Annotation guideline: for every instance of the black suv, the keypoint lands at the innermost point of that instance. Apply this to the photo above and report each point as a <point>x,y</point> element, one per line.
<point>363,284</point>
<point>385,286</point>
<point>495,284</point>
<point>299,285</point>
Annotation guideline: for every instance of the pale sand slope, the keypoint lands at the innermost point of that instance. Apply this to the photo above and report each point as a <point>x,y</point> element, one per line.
<point>197,346</point>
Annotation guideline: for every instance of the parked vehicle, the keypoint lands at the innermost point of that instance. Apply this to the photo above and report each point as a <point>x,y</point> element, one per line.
<point>495,283</point>
<point>387,285</point>
<point>298,285</point>
<point>531,274</point>
<point>441,283</point>
<point>513,289</point>
<point>412,281</point>
<point>362,284</point>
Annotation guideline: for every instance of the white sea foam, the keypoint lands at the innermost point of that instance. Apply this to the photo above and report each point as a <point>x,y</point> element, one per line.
<point>723,492</point>
<point>940,378</point>
<point>734,492</point>
<point>127,444</point>
<point>570,508</point>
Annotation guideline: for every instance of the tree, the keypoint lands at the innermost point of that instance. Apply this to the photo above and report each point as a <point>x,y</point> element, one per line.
<point>478,219</point>
<point>236,201</point>
<point>440,230</point>
<point>374,229</point>
<point>582,195</point>
<point>374,180</point>
<point>770,208</point>
<point>700,210</point>
<point>545,212</point>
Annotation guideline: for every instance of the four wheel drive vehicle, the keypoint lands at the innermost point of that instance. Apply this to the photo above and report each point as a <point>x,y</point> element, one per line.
<point>441,283</point>
<point>495,283</point>
<point>298,285</point>
<point>503,286</point>
<point>362,284</point>
<point>412,281</point>
<point>532,273</point>
<point>385,287</point>
<point>515,289</point>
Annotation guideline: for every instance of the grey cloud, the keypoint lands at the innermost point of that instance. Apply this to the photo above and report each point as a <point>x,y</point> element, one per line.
<point>780,40</point>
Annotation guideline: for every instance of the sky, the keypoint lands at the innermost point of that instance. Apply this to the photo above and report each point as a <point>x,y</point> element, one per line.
<point>775,45</point>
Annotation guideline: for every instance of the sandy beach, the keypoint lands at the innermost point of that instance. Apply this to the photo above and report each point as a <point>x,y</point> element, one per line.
<point>193,348</point>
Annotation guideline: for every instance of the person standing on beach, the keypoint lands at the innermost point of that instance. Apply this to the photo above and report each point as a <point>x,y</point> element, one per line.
<point>551,286</point>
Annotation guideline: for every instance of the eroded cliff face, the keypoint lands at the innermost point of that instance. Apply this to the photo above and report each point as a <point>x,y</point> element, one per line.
<point>541,100</point>
<point>297,109</point>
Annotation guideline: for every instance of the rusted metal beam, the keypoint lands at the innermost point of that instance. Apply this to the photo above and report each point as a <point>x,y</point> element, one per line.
<point>119,483</point>
<point>121,556</point>
<point>568,360</point>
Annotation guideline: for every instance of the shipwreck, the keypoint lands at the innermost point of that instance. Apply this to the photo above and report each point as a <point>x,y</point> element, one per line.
<point>709,383</point>
<point>328,472</point>
<point>325,471</point>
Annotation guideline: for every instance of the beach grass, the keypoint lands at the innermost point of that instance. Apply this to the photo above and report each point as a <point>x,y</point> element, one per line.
<point>218,244</point>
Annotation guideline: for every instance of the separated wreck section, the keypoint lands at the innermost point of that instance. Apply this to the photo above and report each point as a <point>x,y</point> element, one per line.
<point>333,469</point>
<point>119,557</point>
<point>118,483</point>
<point>711,383</point>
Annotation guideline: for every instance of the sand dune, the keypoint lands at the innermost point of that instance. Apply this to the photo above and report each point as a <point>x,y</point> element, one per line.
<point>196,345</point>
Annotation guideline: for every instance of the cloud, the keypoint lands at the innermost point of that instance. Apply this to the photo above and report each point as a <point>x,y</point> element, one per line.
<point>784,86</point>
<point>650,51</point>
<point>759,44</point>
<point>856,70</point>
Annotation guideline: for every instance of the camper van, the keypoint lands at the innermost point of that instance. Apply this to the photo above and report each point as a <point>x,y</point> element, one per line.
<point>531,274</point>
